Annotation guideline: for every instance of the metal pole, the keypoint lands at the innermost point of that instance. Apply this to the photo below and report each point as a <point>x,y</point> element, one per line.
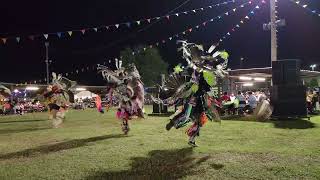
<point>273,27</point>
<point>241,62</point>
<point>47,61</point>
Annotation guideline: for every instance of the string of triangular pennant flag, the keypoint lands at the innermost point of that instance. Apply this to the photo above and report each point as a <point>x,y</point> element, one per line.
<point>203,24</point>
<point>164,41</point>
<point>242,21</point>
<point>116,26</point>
<point>306,6</point>
<point>92,68</point>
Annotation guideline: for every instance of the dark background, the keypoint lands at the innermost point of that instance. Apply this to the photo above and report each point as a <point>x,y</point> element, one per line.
<point>24,61</point>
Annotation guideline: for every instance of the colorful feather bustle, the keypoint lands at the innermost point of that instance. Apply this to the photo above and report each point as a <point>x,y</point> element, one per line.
<point>99,104</point>
<point>126,86</point>
<point>193,94</point>
<point>58,98</point>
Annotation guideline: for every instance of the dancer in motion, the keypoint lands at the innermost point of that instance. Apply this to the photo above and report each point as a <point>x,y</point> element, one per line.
<point>59,96</point>
<point>125,84</point>
<point>192,88</point>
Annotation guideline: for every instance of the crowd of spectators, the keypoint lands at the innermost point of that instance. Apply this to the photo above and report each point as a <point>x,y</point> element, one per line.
<point>242,102</point>
<point>8,107</point>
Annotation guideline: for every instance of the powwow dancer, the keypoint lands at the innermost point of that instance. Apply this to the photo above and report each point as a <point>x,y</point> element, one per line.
<point>194,97</point>
<point>58,98</point>
<point>125,84</point>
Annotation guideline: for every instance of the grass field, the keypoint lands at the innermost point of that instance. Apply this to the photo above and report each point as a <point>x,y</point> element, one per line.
<point>91,146</point>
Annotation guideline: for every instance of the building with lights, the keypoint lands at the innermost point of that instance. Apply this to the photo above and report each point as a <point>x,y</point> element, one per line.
<point>258,78</point>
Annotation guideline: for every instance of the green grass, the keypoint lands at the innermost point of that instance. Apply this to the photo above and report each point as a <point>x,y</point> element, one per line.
<point>91,146</point>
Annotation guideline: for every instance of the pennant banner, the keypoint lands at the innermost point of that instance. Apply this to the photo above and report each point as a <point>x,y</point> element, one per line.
<point>306,6</point>
<point>203,24</point>
<point>189,30</point>
<point>118,25</point>
<point>242,21</point>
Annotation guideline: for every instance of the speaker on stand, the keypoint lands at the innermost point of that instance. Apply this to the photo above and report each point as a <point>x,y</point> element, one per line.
<point>288,94</point>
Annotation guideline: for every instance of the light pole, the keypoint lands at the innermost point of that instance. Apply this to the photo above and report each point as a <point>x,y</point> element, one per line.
<point>313,66</point>
<point>47,61</point>
<point>241,62</point>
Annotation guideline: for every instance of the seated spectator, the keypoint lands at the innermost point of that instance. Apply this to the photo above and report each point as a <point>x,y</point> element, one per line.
<point>7,108</point>
<point>262,96</point>
<point>225,97</point>
<point>242,102</point>
<point>252,103</point>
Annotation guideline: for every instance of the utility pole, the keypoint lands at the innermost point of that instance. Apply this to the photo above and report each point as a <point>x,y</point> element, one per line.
<point>47,61</point>
<point>273,28</point>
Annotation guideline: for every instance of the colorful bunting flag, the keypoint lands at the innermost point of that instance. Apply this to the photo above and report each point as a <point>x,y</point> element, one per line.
<point>305,6</point>
<point>138,22</point>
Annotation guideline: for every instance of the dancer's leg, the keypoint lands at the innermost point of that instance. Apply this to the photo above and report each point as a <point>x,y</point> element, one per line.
<point>125,126</point>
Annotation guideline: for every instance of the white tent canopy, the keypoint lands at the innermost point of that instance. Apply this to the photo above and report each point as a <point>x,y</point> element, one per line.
<point>84,95</point>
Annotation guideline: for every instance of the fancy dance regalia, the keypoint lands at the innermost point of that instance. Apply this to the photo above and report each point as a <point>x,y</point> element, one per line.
<point>126,86</point>
<point>194,97</point>
<point>59,96</point>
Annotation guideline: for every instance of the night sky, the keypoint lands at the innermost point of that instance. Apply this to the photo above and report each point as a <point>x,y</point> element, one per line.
<point>24,61</point>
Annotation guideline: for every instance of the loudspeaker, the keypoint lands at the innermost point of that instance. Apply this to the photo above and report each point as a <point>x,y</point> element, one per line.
<point>159,108</point>
<point>156,108</point>
<point>289,100</point>
<point>285,72</point>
